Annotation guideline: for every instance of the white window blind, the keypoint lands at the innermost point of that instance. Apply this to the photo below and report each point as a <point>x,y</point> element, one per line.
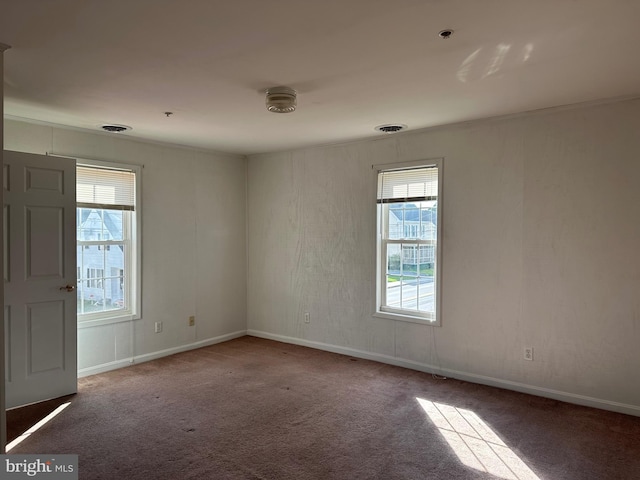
<point>105,188</point>
<point>408,185</point>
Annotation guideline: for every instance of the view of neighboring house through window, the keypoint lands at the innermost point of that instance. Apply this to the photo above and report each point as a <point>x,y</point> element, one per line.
<point>106,242</point>
<point>408,237</point>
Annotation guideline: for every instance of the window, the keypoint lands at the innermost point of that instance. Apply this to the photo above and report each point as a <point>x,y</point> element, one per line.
<point>408,258</point>
<point>107,226</point>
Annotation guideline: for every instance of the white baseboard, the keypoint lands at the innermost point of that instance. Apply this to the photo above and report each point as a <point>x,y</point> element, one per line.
<point>469,377</point>
<point>106,367</point>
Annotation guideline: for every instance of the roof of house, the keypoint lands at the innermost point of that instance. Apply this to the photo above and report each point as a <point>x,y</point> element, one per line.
<point>90,220</point>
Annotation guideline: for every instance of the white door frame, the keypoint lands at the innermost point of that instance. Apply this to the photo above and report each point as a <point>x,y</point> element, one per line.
<point>3,417</point>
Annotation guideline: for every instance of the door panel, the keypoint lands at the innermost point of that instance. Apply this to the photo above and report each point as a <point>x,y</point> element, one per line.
<point>39,248</point>
<point>44,242</point>
<point>44,180</point>
<point>45,337</point>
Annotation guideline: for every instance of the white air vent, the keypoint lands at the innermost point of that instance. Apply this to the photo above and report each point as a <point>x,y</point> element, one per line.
<point>390,128</point>
<point>115,128</point>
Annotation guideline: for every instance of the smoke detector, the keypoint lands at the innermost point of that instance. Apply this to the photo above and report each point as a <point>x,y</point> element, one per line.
<point>115,128</point>
<point>390,128</point>
<point>281,100</point>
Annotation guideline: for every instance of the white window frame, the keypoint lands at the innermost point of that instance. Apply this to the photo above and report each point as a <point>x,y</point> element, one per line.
<point>381,310</point>
<point>133,263</point>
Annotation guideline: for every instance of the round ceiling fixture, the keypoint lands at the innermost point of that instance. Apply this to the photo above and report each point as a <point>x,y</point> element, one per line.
<point>110,127</point>
<point>390,128</point>
<point>446,33</point>
<point>281,100</point>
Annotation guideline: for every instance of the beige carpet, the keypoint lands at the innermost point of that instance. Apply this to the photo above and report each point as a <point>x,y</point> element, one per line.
<point>257,409</point>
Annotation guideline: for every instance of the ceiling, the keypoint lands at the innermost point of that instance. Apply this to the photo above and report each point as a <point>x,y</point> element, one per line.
<point>356,64</point>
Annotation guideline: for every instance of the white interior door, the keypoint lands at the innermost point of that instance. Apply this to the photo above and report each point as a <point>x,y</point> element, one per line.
<point>40,277</point>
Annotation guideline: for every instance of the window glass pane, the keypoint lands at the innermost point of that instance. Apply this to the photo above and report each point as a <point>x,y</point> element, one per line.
<point>409,293</point>
<point>101,277</point>
<point>89,224</point>
<point>428,222</point>
<point>409,259</point>
<point>393,259</point>
<point>427,303</point>
<point>411,266</point>
<point>114,298</point>
<point>411,220</point>
<point>101,266</point>
<point>396,221</point>
<point>114,224</point>
<point>394,291</point>
<point>94,224</point>
<point>425,262</point>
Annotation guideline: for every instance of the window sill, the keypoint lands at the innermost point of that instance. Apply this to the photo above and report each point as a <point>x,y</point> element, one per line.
<point>406,318</point>
<point>95,322</point>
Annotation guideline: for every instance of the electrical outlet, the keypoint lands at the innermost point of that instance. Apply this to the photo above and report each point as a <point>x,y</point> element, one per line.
<point>307,318</point>
<point>158,327</point>
<point>528,353</point>
<point>192,321</point>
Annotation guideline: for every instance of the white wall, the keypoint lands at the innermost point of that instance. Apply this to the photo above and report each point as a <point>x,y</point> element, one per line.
<point>193,243</point>
<point>541,235</point>
<point>541,238</point>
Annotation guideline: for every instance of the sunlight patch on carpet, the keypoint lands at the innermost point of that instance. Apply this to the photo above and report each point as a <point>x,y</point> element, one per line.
<point>475,444</point>
<point>36,427</point>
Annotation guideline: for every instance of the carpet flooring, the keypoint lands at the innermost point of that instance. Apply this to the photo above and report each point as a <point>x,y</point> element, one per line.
<point>257,409</point>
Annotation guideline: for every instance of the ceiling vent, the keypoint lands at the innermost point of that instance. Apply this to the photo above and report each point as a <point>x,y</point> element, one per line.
<point>281,100</point>
<point>115,128</point>
<point>390,128</point>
